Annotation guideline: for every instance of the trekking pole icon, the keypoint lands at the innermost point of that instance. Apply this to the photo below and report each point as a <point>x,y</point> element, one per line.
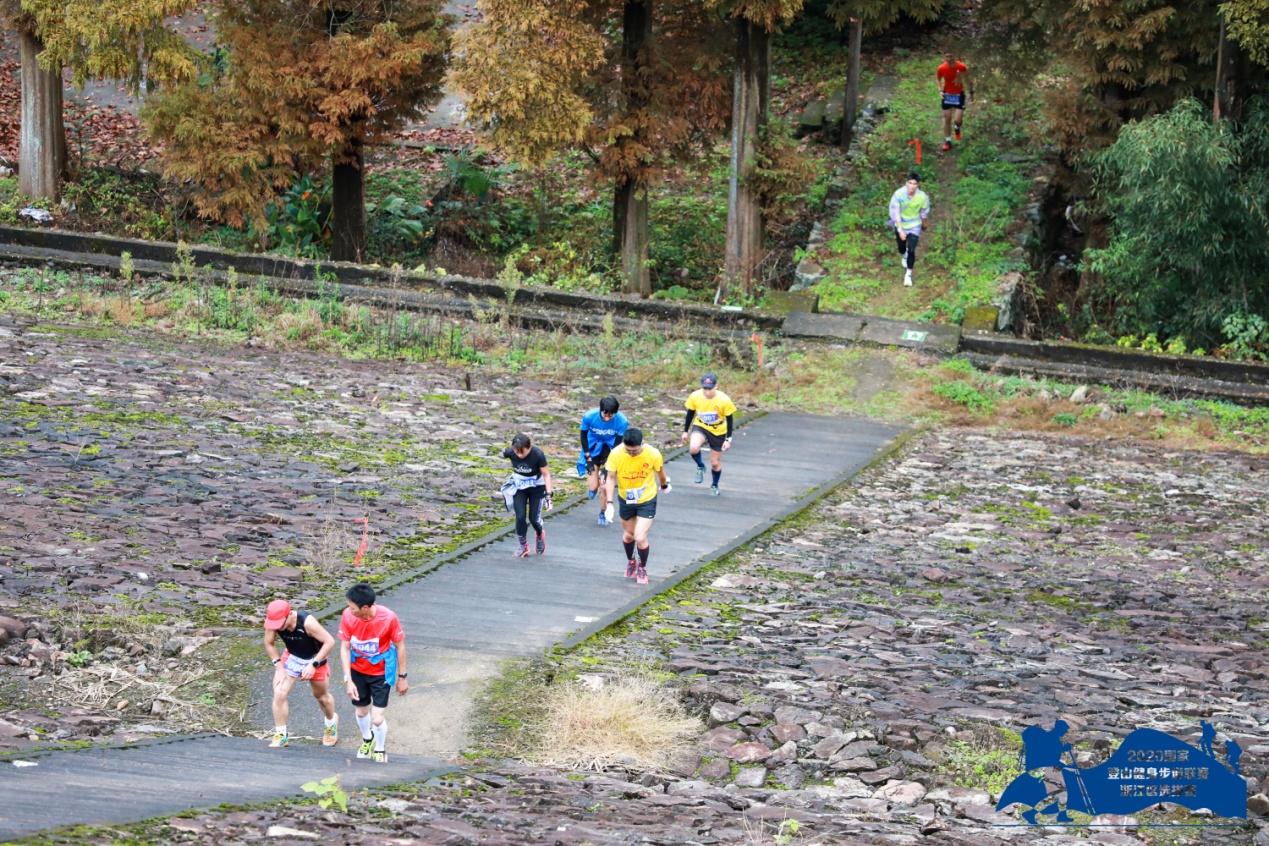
<point>1079,782</point>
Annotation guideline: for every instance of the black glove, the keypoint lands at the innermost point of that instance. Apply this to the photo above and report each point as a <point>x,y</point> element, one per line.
<point>590,465</point>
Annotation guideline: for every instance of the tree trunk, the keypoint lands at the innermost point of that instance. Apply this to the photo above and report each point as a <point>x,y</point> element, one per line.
<point>751,94</point>
<point>348,212</point>
<point>852,80</point>
<point>42,136</point>
<point>1225,100</point>
<point>630,200</point>
<point>630,213</point>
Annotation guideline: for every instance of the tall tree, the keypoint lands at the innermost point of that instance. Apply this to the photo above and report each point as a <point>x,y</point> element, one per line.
<point>872,16</point>
<point>123,40</point>
<point>548,76</point>
<point>755,21</point>
<point>303,83</point>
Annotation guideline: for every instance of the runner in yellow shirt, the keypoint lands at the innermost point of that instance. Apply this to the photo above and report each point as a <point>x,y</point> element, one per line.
<point>635,472</point>
<point>709,420</point>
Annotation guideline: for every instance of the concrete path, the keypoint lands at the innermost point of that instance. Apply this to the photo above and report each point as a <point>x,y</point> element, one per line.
<point>460,620</point>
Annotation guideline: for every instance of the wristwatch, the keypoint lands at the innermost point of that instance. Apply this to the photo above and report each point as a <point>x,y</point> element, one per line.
<point>321,663</point>
<point>401,675</point>
<point>275,661</point>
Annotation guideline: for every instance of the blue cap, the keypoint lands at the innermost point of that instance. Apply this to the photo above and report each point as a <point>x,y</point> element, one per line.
<point>709,380</point>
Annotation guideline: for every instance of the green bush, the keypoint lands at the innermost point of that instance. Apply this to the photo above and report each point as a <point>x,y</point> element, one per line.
<point>963,393</point>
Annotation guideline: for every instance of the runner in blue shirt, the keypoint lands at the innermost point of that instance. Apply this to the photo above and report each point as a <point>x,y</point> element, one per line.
<point>601,430</point>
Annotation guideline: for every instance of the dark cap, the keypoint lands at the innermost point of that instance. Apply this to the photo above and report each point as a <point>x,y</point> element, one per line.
<point>633,437</point>
<point>709,380</point>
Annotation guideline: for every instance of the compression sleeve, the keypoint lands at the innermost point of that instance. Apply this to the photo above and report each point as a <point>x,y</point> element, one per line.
<point>585,443</point>
<point>687,421</point>
<point>729,424</point>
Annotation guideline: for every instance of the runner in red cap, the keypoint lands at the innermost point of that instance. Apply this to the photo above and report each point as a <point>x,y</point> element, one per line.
<point>305,659</point>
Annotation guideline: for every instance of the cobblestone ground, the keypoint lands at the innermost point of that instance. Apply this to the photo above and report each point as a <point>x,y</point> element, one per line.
<point>862,669</point>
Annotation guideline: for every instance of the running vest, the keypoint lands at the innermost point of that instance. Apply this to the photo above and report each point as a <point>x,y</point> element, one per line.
<point>300,643</point>
<point>910,209</point>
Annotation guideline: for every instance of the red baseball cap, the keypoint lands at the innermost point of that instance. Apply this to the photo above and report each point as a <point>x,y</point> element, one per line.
<point>275,616</point>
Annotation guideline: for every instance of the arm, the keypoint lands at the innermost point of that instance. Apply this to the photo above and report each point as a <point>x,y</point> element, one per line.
<point>585,444</point>
<point>687,423</point>
<point>894,214</point>
<point>610,486</point>
<point>345,661</point>
<point>402,684</point>
<point>730,425</point>
<point>546,480</point>
<point>315,629</point>
<point>270,638</point>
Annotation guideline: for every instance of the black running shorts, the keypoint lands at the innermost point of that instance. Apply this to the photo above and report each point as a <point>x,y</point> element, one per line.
<point>371,690</point>
<point>643,509</point>
<point>715,441</point>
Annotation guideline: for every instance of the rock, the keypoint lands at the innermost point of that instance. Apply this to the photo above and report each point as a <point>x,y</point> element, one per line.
<point>784,732</point>
<point>716,740</point>
<point>934,574</point>
<point>1080,394</point>
<point>751,777</point>
<point>748,753</point>
<point>786,753</point>
<point>789,776</point>
<point>283,831</point>
<point>156,707</point>
<point>173,646</point>
<point>13,628</point>
<point>853,765</point>
<point>725,712</point>
<point>901,792</point>
<point>715,770</point>
<point>1258,805</point>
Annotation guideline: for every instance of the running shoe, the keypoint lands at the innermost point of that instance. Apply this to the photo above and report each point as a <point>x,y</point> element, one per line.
<point>366,747</point>
<point>592,493</point>
<point>907,279</point>
<point>713,490</point>
<point>641,575</point>
<point>630,569</point>
<point>331,735</point>
<point>523,551</point>
<point>379,756</point>
<point>947,145</point>
<point>603,519</point>
<point>700,475</point>
<point>280,740</point>
<point>541,544</point>
<point>958,133</point>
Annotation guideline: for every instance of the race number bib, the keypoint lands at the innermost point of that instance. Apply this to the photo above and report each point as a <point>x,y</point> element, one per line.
<point>709,417</point>
<point>523,483</point>
<point>294,666</point>
<point>951,99</point>
<point>369,648</point>
<point>633,494</point>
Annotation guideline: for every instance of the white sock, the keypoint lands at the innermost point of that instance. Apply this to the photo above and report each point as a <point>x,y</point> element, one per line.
<point>279,729</point>
<point>332,721</point>
<point>381,735</point>
<point>363,723</point>
<point>949,138</point>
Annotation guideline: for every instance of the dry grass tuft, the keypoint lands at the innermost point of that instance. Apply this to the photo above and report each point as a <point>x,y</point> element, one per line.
<point>330,548</point>
<point>631,721</point>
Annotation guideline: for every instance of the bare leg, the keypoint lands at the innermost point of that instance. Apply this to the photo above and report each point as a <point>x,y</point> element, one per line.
<point>282,684</point>
<point>321,692</point>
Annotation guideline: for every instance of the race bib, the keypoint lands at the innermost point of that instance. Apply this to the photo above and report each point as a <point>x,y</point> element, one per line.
<point>525,482</point>
<point>633,494</point>
<point>951,99</point>
<point>294,666</point>
<point>709,417</point>
<point>368,648</point>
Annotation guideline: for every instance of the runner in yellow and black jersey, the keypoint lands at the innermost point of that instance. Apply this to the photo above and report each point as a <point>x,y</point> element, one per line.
<point>635,474</point>
<point>709,420</point>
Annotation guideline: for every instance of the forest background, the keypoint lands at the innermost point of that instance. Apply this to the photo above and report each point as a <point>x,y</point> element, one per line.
<point>649,147</point>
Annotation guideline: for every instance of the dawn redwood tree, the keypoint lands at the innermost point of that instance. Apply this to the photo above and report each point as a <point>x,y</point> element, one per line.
<point>754,22</point>
<point>873,16</point>
<point>123,40</point>
<point>550,75</point>
<point>301,84</point>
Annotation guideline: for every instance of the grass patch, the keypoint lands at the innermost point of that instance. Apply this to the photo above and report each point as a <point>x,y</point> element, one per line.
<point>982,758</point>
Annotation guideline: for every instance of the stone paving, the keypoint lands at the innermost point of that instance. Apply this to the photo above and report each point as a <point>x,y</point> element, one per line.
<point>856,667</point>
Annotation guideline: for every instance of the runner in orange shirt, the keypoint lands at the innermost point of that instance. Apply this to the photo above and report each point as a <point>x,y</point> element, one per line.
<point>953,78</point>
<point>372,652</point>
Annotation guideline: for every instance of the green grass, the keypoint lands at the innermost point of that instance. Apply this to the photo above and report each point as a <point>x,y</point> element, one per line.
<point>960,258</point>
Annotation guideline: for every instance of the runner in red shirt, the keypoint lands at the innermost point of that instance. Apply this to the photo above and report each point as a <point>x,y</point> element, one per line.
<point>372,651</point>
<point>953,78</point>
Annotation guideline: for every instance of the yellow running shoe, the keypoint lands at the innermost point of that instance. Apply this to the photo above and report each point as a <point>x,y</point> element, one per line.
<point>379,756</point>
<point>331,735</point>
<point>280,740</point>
<point>367,746</point>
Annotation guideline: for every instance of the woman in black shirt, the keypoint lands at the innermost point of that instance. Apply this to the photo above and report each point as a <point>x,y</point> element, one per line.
<point>533,487</point>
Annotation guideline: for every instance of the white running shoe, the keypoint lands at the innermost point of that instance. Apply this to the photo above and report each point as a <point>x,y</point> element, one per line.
<point>907,278</point>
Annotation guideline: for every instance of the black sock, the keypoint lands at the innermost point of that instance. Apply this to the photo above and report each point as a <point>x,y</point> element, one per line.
<point>700,462</point>
<point>718,474</point>
<point>643,556</point>
<point>630,547</point>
